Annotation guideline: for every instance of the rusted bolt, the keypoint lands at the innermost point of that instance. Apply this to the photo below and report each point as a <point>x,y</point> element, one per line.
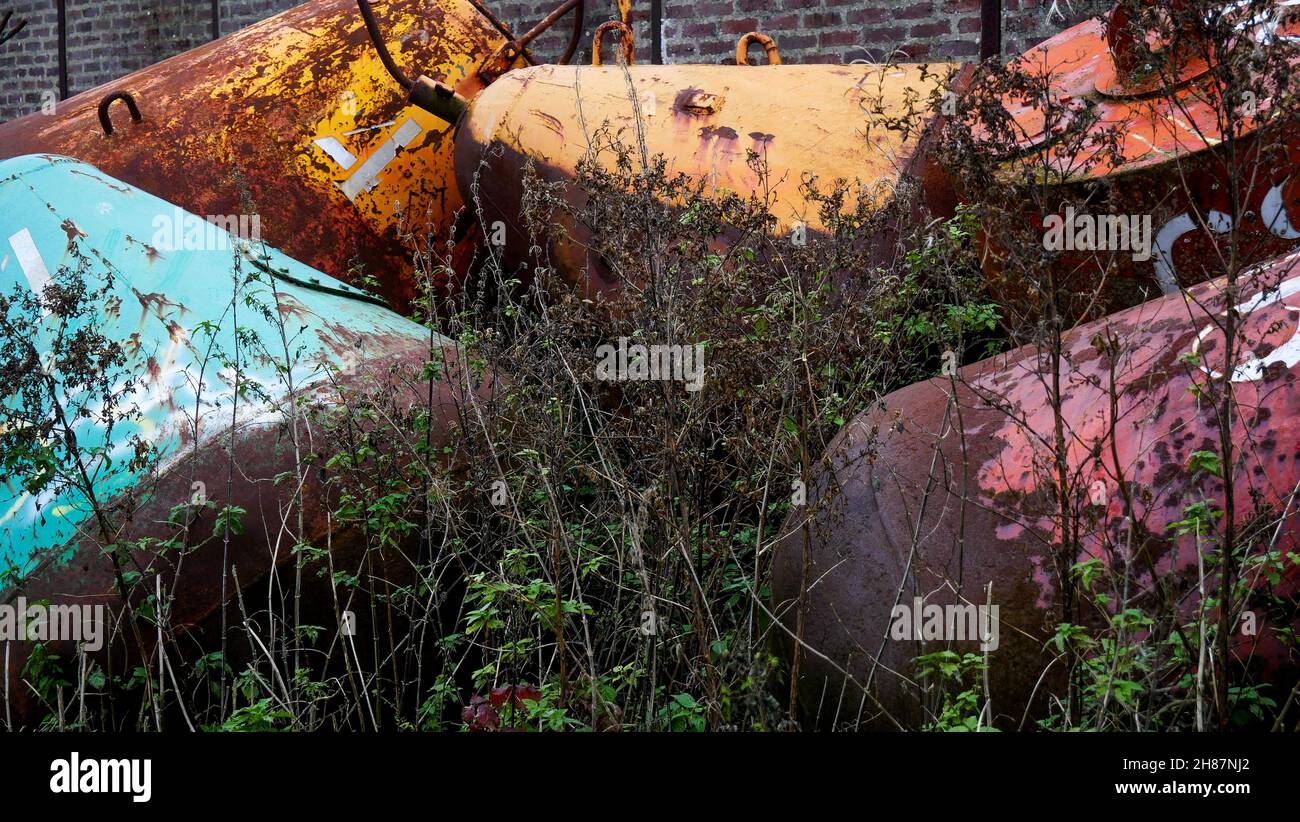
<point>106,121</point>
<point>768,44</point>
<point>500,61</point>
<point>625,36</point>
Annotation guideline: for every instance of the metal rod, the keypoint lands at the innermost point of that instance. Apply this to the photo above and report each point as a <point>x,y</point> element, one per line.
<point>377,37</point>
<point>579,12</point>
<point>63,49</point>
<point>657,32</point>
<point>7,33</point>
<point>990,29</point>
<point>547,22</point>
<point>216,19</point>
<point>493,19</point>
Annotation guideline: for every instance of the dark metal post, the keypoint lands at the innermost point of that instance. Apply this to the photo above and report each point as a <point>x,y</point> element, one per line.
<point>63,49</point>
<point>216,19</point>
<point>990,29</point>
<point>656,31</point>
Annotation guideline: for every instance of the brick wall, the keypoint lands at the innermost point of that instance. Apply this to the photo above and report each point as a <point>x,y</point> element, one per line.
<point>840,31</point>
<point>818,31</point>
<point>110,38</point>
<point>107,39</point>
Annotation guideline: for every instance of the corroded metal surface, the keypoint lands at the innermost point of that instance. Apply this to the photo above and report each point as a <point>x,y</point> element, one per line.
<point>946,489</point>
<point>1157,148</point>
<point>295,119</point>
<point>175,309</point>
<point>814,120</point>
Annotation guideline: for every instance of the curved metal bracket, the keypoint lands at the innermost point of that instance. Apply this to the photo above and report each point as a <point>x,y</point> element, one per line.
<point>768,44</point>
<point>107,122</point>
<point>625,36</point>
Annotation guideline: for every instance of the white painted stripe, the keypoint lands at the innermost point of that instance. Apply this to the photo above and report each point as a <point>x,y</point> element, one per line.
<point>337,151</point>
<point>29,259</point>
<point>365,177</point>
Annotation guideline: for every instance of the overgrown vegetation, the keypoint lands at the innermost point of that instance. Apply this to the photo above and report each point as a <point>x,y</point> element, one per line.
<point>1137,640</point>
<point>587,554</point>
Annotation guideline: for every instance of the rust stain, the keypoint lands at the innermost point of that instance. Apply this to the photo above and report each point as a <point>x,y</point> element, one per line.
<point>513,124</point>
<point>232,127</point>
<point>1170,160</point>
<point>719,133</point>
<point>74,233</point>
<point>998,521</point>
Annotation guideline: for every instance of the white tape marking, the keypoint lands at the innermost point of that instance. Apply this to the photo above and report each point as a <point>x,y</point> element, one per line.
<point>29,259</point>
<point>337,151</point>
<point>367,175</point>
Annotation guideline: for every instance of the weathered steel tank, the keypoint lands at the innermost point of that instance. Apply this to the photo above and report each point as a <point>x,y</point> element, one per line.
<point>800,120</point>
<point>944,496</point>
<point>296,119</point>
<point>1162,146</point>
<point>218,381</point>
